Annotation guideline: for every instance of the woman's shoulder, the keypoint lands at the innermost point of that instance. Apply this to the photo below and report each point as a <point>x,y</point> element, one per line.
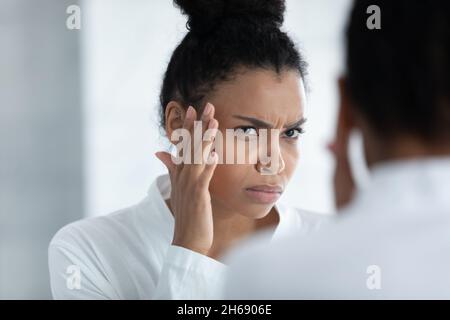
<point>105,249</point>
<point>100,230</point>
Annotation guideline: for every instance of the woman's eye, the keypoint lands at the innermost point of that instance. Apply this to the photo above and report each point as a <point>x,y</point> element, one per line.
<point>293,133</point>
<point>247,131</point>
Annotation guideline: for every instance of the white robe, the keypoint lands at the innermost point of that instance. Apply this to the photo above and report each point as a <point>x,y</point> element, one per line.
<point>128,254</point>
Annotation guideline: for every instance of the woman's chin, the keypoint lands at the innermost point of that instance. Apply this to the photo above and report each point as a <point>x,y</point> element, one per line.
<point>244,207</point>
<point>256,211</point>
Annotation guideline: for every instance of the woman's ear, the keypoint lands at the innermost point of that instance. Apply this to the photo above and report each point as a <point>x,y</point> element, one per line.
<point>174,118</point>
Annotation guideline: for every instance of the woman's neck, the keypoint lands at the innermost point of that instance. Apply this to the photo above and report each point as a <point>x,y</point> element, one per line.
<point>230,228</point>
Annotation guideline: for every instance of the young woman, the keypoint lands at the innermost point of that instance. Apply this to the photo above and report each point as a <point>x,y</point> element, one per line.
<point>235,69</point>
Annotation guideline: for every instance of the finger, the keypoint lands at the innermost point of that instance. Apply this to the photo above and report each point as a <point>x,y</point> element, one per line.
<point>204,145</point>
<point>191,115</point>
<point>199,154</point>
<point>188,123</point>
<point>210,167</point>
<point>209,139</point>
<point>208,112</point>
<point>166,159</point>
<point>344,184</point>
<point>198,133</point>
<point>343,132</point>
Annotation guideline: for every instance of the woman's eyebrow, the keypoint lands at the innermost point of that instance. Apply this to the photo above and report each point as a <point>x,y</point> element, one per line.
<point>297,123</point>
<point>262,124</point>
<point>257,122</point>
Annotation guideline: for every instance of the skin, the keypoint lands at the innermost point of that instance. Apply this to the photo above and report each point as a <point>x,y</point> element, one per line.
<point>376,149</point>
<point>221,211</point>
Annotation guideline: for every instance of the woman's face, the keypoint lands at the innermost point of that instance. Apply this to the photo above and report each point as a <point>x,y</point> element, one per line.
<point>253,95</point>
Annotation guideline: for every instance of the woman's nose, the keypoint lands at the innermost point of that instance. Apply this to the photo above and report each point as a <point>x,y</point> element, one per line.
<point>272,167</point>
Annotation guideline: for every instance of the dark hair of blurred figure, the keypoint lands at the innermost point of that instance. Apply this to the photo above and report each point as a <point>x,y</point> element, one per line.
<point>398,77</point>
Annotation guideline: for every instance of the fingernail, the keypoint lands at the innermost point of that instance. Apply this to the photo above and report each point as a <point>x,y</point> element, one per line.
<point>208,109</point>
<point>211,124</point>
<point>190,113</point>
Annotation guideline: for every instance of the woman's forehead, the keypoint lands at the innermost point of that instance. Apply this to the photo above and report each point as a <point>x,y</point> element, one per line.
<point>273,118</point>
<point>261,95</point>
<point>258,82</point>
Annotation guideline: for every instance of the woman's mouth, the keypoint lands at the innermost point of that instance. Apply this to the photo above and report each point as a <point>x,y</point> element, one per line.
<point>264,194</point>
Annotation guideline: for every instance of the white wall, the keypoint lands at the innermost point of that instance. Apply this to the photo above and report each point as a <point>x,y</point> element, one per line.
<point>40,140</point>
<point>126,47</point>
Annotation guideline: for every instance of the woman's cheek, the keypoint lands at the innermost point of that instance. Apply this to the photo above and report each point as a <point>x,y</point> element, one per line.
<point>291,157</point>
<point>226,179</point>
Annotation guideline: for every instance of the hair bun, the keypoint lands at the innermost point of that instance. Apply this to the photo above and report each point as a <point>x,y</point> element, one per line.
<point>203,15</point>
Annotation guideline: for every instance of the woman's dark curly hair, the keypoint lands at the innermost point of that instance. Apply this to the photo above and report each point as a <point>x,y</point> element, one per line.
<point>223,36</point>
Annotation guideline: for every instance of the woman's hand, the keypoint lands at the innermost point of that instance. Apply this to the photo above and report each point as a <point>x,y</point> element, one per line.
<point>190,200</point>
<point>344,182</point>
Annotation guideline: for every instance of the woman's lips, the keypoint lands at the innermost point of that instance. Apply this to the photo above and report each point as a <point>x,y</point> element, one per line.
<point>264,194</point>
